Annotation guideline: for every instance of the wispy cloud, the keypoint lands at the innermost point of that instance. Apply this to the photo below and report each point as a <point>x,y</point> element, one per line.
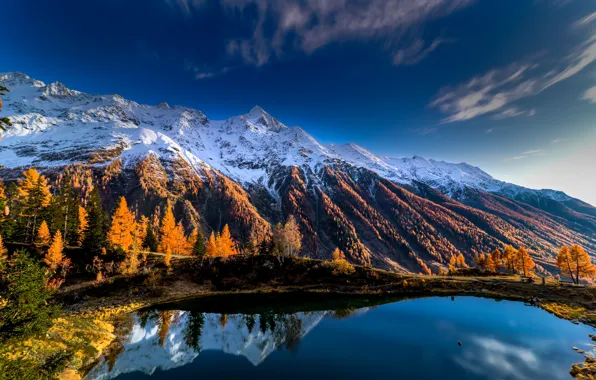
<point>494,92</point>
<point>532,152</point>
<point>585,20</point>
<point>590,95</point>
<point>203,72</point>
<point>278,28</point>
<point>490,130</point>
<point>417,51</point>
<point>527,154</point>
<point>513,112</point>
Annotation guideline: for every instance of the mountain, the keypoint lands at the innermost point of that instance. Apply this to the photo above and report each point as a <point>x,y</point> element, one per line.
<point>251,170</point>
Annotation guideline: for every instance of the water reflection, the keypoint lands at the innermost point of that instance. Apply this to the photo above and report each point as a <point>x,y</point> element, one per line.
<point>166,339</point>
<point>409,339</point>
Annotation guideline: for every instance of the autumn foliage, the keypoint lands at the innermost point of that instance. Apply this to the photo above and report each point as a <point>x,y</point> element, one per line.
<point>123,227</point>
<point>54,256</point>
<point>221,245</point>
<point>575,263</point>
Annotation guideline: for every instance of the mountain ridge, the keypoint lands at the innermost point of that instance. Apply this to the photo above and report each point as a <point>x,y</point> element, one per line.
<point>251,170</point>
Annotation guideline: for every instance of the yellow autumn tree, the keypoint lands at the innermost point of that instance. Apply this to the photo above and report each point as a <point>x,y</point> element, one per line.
<point>508,257</point>
<point>225,244</point>
<point>3,250</point>
<point>494,261</point>
<point>481,261</point>
<point>211,250</point>
<point>180,241</point>
<point>575,263</point>
<point>83,223</point>
<point>461,261</point>
<point>54,256</point>
<point>167,231</point>
<point>34,195</point>
<point>43,235</point>
<point>123,226</point>
<point>523,262</point>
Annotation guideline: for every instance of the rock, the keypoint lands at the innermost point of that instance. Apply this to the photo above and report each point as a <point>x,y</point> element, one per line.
<point>459,343</point>
<point>593,337</point>
<point>484,290</point>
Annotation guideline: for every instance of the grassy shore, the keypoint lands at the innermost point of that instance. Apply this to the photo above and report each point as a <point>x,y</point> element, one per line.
<point>86,328</point>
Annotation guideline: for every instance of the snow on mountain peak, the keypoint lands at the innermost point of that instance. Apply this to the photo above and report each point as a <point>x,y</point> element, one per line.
<point>54,126</point>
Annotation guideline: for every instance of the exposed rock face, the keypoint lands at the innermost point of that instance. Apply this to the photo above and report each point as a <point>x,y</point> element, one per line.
<point>250,171</point>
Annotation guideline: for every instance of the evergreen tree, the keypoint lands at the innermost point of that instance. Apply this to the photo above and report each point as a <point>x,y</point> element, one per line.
<point>96,231</point>
<point>150,241</point>
<point>198,248</point>
<point>123,226</point>
<point>64,210</point>
<point>26,295</point>
<point>194,328</point>
<point>43,235</point>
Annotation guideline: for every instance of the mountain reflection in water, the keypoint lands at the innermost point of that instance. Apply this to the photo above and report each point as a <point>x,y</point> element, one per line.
<point>409,339</point>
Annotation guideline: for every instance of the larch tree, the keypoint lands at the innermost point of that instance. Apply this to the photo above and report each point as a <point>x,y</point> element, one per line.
<point>338,254</point>
<point>523,262</point>
<point>181,246</point>
<point>461,261</point>
<point>481,261</point>
<point>3,250</point>
<point>508,258</point>
<point>496,260</point>
<point>226,245</point>
<point>167,231</point>
<point>211,249</point>
<point>34,197</point>
<point>575,263</point>
<point>54,256</point>
<point>123,226</point>
<point>82,225</point>
<point>43,235</point>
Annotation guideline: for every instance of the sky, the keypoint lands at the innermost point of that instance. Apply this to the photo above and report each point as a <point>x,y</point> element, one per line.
<point>508,86</point>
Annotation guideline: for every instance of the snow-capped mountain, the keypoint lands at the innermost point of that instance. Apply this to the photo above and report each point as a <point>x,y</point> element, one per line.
<point>142,351</point>
<point>251,171</point>
<point>54,126</point>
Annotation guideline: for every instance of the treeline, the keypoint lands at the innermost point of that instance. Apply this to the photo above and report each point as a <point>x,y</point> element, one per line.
<point>69,213</point>
<point>574,262</point>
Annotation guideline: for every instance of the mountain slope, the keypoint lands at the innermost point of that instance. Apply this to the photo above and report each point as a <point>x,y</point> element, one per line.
<point>251,170</point>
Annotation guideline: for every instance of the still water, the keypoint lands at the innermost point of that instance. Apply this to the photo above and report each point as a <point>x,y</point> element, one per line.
<point>409,339</point>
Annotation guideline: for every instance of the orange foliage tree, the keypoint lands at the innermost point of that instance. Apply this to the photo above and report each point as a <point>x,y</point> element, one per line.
<point>123,226</point>
<point>523,262</point>
<point>82,227</point>
<point>170,234</point>
<point>211,250</point>
<point>508,257</point>
<point>43,235</point>
<point>54,256</point>
<point>575,263</point>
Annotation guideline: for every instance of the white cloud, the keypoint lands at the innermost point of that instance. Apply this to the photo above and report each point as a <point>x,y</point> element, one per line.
<point>313,24</point>
<point>494,92</point>
<point>416,52</point>
<point>590,95</point>
<point>586,20</point>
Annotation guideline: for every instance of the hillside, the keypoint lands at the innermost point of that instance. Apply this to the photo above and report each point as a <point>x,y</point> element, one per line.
<point>251,171</point>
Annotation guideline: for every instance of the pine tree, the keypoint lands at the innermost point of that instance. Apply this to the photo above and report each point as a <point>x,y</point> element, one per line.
<point>150,241</point>
<point>64,209</point>
<point>82,225</point>
<point>198,248</point>
<point>523,262</point>
<point>167,231</point>
<point>43,235</point>
<point>96,231</point>
<point>123,227</point>
<point>54,257</point>
<point>211,250</point>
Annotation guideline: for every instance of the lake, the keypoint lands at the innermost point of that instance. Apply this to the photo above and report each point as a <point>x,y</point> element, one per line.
<point>407,339</point>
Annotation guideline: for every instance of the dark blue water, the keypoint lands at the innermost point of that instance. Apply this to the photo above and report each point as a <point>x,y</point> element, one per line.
<point>413,339</point>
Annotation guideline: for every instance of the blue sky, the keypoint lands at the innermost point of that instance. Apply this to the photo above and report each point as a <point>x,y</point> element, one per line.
<point>507,85</point>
